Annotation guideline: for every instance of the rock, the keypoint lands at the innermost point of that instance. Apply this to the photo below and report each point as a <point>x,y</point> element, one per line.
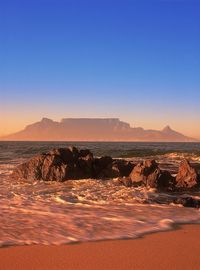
<point>124,167</point>
<point>102,167</point>
<point>69,163</point>
<point>111,171</point>
<point>187,176</point>
<point>31,169</point>
<point>188,202</point>
<point>52,168</point>
<point>106,167</point>
<point>57,165</point>
<point>85,154</point>
<point>166,182</point>
<point>126,181</point>
<point>196,166</point>
<point>145,173</point>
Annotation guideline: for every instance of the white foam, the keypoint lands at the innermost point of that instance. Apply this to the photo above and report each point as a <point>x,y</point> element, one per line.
<point>166,223</point>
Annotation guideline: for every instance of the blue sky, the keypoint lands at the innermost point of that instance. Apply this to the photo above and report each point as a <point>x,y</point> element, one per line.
<point>137,60</point>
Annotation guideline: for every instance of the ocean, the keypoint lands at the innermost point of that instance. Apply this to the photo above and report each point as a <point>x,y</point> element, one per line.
<point>87,210</point>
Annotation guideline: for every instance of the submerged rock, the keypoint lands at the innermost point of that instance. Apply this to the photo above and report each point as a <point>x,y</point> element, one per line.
<point>187,176</point>
<point>188,202</point>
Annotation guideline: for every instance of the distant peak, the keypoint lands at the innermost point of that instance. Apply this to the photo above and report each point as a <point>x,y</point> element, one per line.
<point>167,128</point>
<point>44,119</point>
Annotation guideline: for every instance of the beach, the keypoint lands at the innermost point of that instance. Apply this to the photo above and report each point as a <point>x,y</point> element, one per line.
<point>176,249</point>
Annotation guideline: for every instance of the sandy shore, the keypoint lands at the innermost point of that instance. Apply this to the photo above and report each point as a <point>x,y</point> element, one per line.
<point>178,249</point>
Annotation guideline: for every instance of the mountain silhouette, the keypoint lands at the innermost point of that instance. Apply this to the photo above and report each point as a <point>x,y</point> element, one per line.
<point>93,129</point>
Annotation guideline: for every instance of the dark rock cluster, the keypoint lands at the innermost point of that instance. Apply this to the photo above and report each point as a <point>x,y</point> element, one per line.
<point>148,173</point>
<point>70,163</point>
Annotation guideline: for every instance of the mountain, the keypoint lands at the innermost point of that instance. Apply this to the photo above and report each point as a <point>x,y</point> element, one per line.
<point>93,129</point>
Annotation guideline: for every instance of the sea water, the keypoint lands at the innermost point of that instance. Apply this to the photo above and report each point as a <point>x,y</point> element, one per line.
<point>87,210</point>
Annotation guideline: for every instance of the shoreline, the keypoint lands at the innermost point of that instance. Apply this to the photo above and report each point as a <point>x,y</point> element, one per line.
<point>172,249</point>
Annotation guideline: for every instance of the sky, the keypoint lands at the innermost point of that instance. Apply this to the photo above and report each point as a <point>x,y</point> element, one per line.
<point>135,60</point>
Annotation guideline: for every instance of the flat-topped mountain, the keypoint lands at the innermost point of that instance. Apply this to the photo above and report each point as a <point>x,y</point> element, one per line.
<point>93,129</point>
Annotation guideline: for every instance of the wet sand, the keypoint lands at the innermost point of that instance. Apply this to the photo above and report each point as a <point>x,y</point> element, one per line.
<point>177,249</point>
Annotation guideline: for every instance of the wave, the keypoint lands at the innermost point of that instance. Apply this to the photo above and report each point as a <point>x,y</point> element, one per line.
<point>89,210</point>
<point>80,223</point>
<point>84,210</point>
